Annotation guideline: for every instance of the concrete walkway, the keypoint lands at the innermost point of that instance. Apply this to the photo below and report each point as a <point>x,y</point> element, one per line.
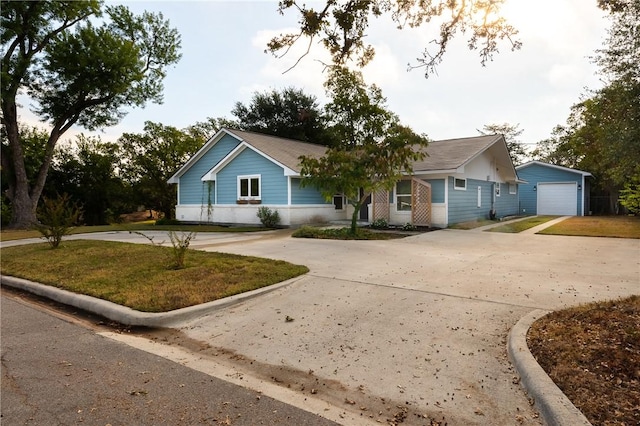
<point>415,327</point>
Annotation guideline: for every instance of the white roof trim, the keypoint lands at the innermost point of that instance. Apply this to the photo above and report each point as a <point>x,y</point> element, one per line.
<point>553,166</point>
<point>212,174</point>
<point>201,152</point>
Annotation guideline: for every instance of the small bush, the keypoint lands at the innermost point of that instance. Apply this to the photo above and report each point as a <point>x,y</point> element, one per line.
<point>409,227</point>
<point>341,234</point>
<point>180,245</point>
<point>307,232</point>
<point>380,224</point>
<point>167,221</point>
<point>269,218</point>
<point>57,217</point>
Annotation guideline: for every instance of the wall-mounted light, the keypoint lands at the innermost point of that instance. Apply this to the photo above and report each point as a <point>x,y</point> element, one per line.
<point>579,187</point>
<point>535,188</point>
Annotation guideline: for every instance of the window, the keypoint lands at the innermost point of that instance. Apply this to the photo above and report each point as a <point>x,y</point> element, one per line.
<point>513,188</point>
<point>459,184</point>
<point>497,189</point>
<point>338,202</point>
<point>249,187</point>
<point>403,196</point>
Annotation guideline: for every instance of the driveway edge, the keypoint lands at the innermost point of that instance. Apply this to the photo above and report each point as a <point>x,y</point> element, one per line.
<point>553,405</point>
<point>128,316</point>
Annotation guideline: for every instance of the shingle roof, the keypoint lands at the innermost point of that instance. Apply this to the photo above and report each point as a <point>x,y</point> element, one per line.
<point>284,151</point>
<point>443,155</point>
<point>452,153</point>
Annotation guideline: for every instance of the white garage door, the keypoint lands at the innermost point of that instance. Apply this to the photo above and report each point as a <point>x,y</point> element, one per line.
<point>558,199</point>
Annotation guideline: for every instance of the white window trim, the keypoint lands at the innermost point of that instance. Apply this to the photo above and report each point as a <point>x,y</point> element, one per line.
<point>513,188</point>
<point>344,202</point>
<point>395,197</point>
<point>457,188</point>
<point>249,178</point>
<point>498,189</point>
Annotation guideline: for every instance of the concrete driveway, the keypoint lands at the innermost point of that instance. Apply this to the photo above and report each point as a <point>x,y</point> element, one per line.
<point>412,329</point>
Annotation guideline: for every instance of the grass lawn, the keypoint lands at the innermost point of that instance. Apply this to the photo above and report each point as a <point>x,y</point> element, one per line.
<point>592,352</point>
<point>522,225</point>
<point>136,275</point>
<point>472,224</point>
<point>597,226</point>
<point>9,234</point>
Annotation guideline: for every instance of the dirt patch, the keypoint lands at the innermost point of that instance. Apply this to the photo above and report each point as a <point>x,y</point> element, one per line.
<point>359,400</point>
<point>140,216</point>
<point>592,353</point>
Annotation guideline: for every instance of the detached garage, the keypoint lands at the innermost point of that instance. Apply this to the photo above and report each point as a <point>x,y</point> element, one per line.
<point>553,190</point>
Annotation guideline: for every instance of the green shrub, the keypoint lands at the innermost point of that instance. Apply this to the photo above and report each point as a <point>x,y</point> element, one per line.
<point>409,227</point>
<point>269,218</point>
<point>57,217</point>
<point>167,221</point>
<point>380,224</point>
<point>307,232</point>
<point>630,195</point>
<point>341,234</point>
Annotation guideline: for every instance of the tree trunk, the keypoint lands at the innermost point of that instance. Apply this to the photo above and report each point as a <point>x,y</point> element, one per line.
<point>23,207</point>
<point>23,211</point>
<point>354,218</point>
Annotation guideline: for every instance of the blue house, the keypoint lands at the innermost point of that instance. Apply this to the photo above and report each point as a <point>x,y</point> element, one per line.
<point>553,190</point>
<point>236,172</point>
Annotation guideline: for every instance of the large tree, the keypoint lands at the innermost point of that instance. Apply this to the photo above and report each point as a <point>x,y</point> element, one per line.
<point>341,27</point>
<point>151,158</point>
<point>288,114</point>
<point>602,132</point>
<point>511,133</point>
<point>78,70</point>
<point>86,170</point>
<point>374,149</point>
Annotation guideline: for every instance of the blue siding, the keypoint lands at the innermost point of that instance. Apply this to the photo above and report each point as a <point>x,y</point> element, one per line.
<point>536,173</point>
<point>192,189</point>
<point>463,205</point>
<point>506,204</point>
<point>273,182</point>
<point>437,190</point>
<point>307,195</point>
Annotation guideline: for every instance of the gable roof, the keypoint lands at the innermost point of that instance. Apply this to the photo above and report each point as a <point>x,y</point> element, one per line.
<point>451,154</point>
<point>552,166</point>
<point>285,152</point>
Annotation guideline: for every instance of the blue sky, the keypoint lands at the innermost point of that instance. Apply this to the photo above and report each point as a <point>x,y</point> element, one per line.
<point>223,62</point>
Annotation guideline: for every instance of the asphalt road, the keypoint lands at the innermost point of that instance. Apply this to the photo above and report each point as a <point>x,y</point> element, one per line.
<point>58,372</point>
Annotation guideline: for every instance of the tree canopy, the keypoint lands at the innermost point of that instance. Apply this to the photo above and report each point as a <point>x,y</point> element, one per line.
<point>511,133</point>
<point>374,148</point>
<point>602,132</point>
<point>288,114</point>
<point>77,70</point>
<point>151,158</point>
<point>341,27</point>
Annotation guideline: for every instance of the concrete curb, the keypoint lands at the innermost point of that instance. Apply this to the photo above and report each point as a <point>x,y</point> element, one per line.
<point>128,316</point>
<point>553,405</point>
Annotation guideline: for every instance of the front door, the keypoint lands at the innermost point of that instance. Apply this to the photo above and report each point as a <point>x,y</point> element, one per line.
<point>364,209</point>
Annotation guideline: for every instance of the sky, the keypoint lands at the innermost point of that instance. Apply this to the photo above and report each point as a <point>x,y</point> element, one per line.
<point>223,62</point>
